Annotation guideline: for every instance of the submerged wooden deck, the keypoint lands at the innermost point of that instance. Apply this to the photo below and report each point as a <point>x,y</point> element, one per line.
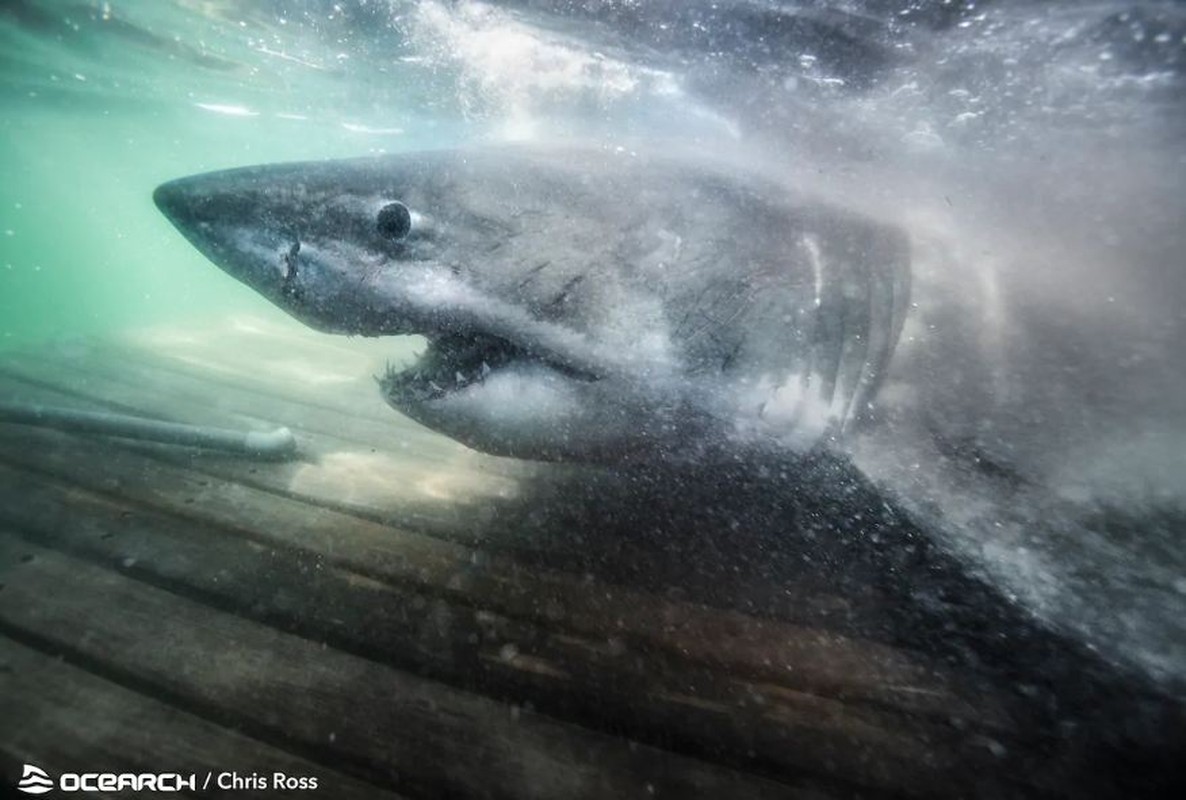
<point>398,616</point>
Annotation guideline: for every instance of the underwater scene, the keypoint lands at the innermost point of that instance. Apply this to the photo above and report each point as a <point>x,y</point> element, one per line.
<point>593,398</point>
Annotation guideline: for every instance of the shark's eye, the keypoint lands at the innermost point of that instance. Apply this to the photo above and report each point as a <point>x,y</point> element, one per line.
<point>394,221</point>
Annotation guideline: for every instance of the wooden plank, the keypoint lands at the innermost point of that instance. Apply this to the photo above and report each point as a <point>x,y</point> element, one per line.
<point>244,390</point>
<point>600,683</point>
<point>481,501</point>
<point>134,383</point>
<point>364,718</point>
<point>435,488</point>
<point>72,720</point>
<point>126,381</point>
<point>797,657</point>
<point>492,502</point>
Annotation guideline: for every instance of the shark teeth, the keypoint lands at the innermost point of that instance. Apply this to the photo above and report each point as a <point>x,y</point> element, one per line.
<point>454,361</point>
<point>450,363</point>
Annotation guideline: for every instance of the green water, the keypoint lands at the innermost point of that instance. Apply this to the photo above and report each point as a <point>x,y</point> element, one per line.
<point>1046,182</point>
<point>102,102</point>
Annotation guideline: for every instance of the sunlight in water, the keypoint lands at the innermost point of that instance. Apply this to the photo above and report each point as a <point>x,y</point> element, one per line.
<point>382,480</point>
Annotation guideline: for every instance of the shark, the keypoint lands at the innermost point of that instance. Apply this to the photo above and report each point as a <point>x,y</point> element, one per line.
<point>586,305</point>
<point>605,305</point>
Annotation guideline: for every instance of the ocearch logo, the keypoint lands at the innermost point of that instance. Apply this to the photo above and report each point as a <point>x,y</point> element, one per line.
<point>34,780</point>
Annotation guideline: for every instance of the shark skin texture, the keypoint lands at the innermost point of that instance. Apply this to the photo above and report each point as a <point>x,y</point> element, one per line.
<point>601,305</point>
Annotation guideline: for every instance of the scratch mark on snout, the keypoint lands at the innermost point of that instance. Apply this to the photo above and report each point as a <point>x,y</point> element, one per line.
<point>562,296</point>
<point>290,261</point>
<point>533,273</point>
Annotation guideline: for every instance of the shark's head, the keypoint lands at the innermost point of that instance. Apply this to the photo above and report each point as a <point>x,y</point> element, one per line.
<point>579,304</point>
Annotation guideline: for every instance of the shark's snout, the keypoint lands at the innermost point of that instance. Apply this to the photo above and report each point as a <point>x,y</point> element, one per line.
<point>242,236</point>
<point>189,202</point>
<point>170,199</point>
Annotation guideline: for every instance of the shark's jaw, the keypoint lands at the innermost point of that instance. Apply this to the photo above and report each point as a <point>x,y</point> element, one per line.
<point>509,398</point>
<point>455,362</point>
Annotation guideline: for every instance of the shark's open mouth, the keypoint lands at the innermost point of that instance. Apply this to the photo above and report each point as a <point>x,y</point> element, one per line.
<point>454,361</point>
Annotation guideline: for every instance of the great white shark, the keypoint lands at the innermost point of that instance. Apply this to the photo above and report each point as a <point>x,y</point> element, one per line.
<point>598,304</point>
<point>579,305</point>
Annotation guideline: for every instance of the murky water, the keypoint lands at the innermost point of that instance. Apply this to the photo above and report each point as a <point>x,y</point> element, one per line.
<point>1035,153</point>
<point>103,101</point>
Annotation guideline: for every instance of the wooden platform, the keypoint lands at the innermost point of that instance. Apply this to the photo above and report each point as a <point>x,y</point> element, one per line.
<point>398,616</point>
